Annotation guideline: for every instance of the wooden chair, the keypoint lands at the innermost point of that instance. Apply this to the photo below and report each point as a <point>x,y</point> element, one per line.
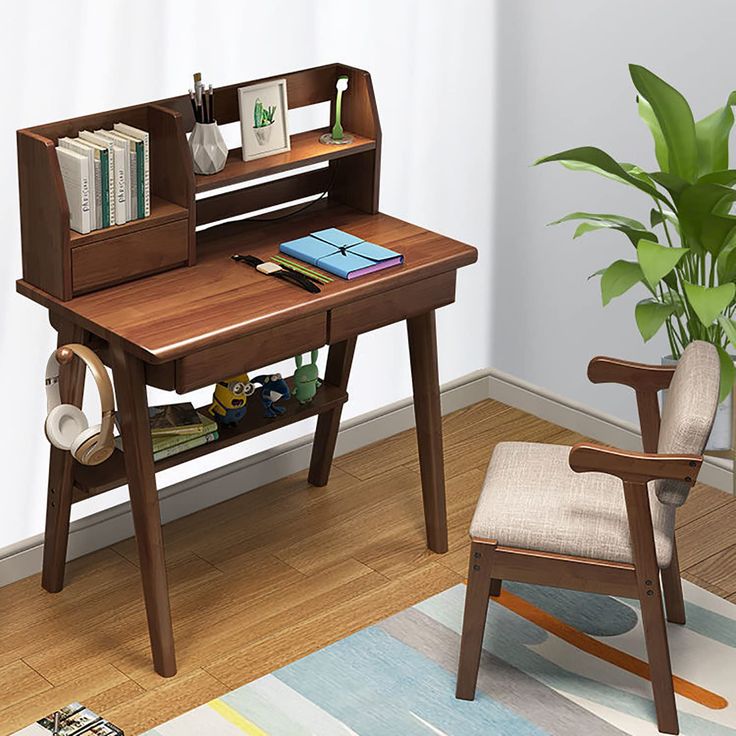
<point>609,531</point>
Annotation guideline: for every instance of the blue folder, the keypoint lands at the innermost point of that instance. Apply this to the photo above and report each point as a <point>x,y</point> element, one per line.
<point>341,253</point>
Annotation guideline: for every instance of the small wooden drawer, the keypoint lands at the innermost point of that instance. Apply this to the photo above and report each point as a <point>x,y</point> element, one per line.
<point>253,351</point>
<point>130,256</point>
<point>391,306</point>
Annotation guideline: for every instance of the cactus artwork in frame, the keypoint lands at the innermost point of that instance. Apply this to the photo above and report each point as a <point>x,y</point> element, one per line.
<point>263,119</point>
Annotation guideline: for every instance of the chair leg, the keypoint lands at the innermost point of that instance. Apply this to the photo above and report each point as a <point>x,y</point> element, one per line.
<point>474,621</point>
<point>672,588</point>
<point>650,598</point>
<point>660,668</point>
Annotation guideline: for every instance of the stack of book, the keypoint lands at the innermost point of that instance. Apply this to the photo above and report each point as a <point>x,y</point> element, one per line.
<point>106,176</point>
<point>72,720</point>
<point>176,428</point>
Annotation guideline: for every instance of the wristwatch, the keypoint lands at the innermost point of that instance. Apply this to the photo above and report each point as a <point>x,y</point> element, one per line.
<point>273,269</point>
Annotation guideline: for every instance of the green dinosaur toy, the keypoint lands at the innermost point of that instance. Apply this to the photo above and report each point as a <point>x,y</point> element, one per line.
<point>306,379</point>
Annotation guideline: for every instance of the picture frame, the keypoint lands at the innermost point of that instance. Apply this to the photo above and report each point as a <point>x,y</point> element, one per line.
<point>264,119</point>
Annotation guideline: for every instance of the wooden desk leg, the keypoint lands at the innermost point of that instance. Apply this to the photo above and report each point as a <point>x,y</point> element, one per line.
<point>61,474</point>
<point>339,361</point>
<point>130,388</point>
<point>425,378</point>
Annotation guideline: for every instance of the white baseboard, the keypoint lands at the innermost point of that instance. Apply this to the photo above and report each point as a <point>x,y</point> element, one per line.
<point>114,524</point>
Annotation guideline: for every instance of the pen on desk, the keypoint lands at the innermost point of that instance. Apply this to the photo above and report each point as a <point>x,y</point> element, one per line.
<point>212,104</point>
<point>194,105</point>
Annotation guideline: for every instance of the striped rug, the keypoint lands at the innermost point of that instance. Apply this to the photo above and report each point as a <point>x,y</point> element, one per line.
<point>555,662</point>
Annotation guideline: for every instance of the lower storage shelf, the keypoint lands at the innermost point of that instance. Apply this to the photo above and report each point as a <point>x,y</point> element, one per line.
<point>91,480</point>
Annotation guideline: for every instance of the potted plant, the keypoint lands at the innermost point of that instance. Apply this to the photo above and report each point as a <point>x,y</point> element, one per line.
<point>684,260</point>
<point>263,120</point>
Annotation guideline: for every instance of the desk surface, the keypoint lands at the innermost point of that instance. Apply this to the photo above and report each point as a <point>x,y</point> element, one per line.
<point>170,315</point>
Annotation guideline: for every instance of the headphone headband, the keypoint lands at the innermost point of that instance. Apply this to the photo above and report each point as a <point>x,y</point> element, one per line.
<point>64,355</point>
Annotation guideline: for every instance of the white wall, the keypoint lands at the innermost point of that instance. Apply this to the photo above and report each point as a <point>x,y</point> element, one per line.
<point>563,82</point>
<point>430,64</point>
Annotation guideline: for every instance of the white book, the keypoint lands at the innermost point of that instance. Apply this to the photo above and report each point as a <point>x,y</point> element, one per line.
<point>122,177</point>
<point>103,144</point>
<point>95,184</point>
<point>132,145</point>
<point>141,135</point>
<point>76,173</point>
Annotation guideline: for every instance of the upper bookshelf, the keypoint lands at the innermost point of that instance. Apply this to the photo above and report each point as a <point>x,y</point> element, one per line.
<point>305,149</point>
<point>65,263</point>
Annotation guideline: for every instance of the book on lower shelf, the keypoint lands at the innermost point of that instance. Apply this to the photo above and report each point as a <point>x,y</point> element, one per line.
<point>169,437</point>
<point>74,720</point>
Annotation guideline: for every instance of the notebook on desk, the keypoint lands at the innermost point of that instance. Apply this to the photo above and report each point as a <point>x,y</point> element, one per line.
<point>341,253</point>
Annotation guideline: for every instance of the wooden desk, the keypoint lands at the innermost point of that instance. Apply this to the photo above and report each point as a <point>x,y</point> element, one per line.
<point>194,325</point>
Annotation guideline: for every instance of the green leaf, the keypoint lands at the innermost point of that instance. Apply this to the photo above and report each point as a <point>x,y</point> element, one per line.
<point>729,328</point>
<point>673,298</point>
<point>650,315</point>
<point>634,236</point>
<point>658,218</point>
<point>727,373</point>
<point>673,184</point>
<point>589,158</point>
<point>726,264</point>
<point>711,136</point>
<point>598,217</point>
<point>646,113</point>
<point>633,229</point>
<point>701,211</point>
<point>726,177</point>
<point>657,260</point>
<point>675,119</point>
<point>709,301</point>
<point>618,278</point>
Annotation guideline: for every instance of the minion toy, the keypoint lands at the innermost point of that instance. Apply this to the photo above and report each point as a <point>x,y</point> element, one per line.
<point>228,405</point>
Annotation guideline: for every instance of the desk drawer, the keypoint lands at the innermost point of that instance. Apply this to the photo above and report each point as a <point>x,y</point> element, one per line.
<point>391,306</point>
<point>247,353</point>
<point>130,256</point>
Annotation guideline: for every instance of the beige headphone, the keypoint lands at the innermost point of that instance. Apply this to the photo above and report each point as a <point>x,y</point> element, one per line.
<point>67,426</point>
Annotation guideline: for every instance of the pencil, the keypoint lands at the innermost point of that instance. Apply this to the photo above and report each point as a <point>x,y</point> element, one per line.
<point>301,269</point>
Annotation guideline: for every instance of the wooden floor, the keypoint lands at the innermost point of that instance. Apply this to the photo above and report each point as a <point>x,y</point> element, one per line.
<point>277,573</point>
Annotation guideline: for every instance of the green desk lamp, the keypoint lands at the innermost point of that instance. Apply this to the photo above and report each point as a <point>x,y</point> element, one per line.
<point>337,137</point>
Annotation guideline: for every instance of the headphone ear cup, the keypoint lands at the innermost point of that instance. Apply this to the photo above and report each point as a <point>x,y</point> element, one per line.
<point>83,444</point>
<point>64,424</point>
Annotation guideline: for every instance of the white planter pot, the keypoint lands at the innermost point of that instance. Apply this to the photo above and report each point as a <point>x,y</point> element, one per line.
<point>720,436</point>
<point>209,151</point>
<point>263,135</point>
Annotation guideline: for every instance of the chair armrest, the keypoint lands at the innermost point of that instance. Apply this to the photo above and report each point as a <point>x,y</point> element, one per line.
<point>646,380</point>
<point>638,376</point>
<point>634,467</point>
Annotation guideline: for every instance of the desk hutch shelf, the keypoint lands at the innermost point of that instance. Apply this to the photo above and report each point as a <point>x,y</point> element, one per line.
<point>65,264</point>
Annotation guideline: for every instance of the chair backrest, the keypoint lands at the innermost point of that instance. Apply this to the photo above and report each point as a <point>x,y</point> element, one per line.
<point>689,411</point>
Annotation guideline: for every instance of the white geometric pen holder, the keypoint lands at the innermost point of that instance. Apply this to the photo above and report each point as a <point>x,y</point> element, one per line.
<point>209,151</point>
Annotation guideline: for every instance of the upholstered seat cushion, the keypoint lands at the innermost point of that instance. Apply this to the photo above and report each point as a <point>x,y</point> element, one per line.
<point>531,499</point>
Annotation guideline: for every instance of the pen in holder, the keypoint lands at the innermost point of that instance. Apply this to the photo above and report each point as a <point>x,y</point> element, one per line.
<point>209,152</point>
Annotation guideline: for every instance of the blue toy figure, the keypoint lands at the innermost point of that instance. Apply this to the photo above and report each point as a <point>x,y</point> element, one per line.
<point>273,388</point>
<point>230,398</point>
